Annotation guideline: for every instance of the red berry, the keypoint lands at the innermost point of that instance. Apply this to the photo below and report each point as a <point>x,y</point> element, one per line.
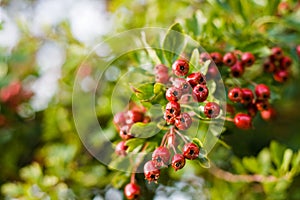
<point>285,62</point>
<point>178,161</point>
<point>190,151</point>
<point>173,94</point>
<point>182,85</point>
<point>204,56</point>
<point>237,70</point>
<point>121,148</point>
<point>252,109</point>
<point>151,172</point>
<point>247,96</point>
<point>200,93</point>
<point>281,76</point>
<point>160,156</point>
<point>119,120</point>
<point>134,116</point>
<point>268,114</point>
<point>125,132</point>
<point>161,68</point>
<point>248,59</point>
<point>277,53</point>
<point>180,67</point>
<point>262,92</point>
<point>183,121</point>
<point>173,107</point>
<point>132,191</point>
<point>243,121</point>
<point>262,105</point>
<point>212,72</point>
<point>269,66</point>
<point>217,57</point>
<point>229,59</point>
<point>211,110</point>
<point>162,77</point>
<point>298,50</point>
<point>235,95</point>
<point>196,78</point>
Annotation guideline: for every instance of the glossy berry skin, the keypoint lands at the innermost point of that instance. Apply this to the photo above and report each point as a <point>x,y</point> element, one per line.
<point>161,68</point>
<point>262,105</point>
<point>162,77</point>
<point>190,151</point>
<point>200,92</point>
<point>285,62</point>
<point>173,107</point>
<point>216,57</point>
<point>281,76</point>
<point>151,172</point>
<point>196,78</point>
<point>237,70</point>
<point>269,66</point>
<point>134,116</point>
<point>180,67</point>
<point>243,121</point>
<point>182,85</point>
<point>121,148</point>
<point>247,96</point>
<point>277,53</point>
<point>268,114</point>
<point>173,94</point>
<point>211,110</point>
<point>132,191</point>
<point>160,157</point>
<point>235,95</point>
<point>298,50</point>
<point>204,56</point>
<point>262,92</point>
<point>247,59</point>
<point>183,121</point>
<point>178,161</point>
<point>125,132</point>
<point>229,59</point>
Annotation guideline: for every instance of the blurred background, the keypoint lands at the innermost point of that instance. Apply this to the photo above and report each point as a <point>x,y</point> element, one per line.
<point>44,42</point>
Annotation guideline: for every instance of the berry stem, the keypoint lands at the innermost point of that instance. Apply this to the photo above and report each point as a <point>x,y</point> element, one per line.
<point>163,141</point>
<point>132,178</point>
<point>182,136</point>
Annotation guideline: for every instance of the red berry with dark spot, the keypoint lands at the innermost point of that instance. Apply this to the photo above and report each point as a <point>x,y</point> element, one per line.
<point>237,70</point>
<point>125,132</point>
<point>248,59</point>
<point>200,93</point>
<point>277,53</point>
<point>173,107</point>
<point>151,172</point>
<point>121,148</point>
<point>285,62</point>
<point>196,78</point>
<point>262,92</point>
<point>212,110</point>
<point>262,105</point>
<point>182,85</point>
<point>212,72</point>
<point>160,157</point>
<point>161,68</point>
<point>217,57</point>
<point>269,66</point>
<point>229,59</point>
<point>134,116</point>
<point>252,109</point>
<point>178,161</point>
<point>204,56</point>
<point>190,151</point>
<point>268,114</point>
<point>180,67</point>
<point>173,94</point>
<point>243,121</point>
<point>132,191</point>
<point>235,95</point>
<point>183,121</point>
<point>162,77</point>
<point>247,96</point>
<point>281,76</point>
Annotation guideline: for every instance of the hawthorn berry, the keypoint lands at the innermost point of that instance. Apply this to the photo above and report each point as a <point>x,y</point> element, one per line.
<point>211,110</point>
<point>243,121</point>
<point>162,77</point>
<point>182,85</point>
<point>134,116</point>
<point>212,72</point>
<point>285,62</point>
<point>237,70</point>
<point>268,114</point>
<point>173,94</point>
<point>161,68</point>
<point>298,50</point>
<point>262,105</point>
<point>277,53</point>
<point>190,151</point>
<point>119,120</point>
<point>252,109</point>
<point>178,161</point>
<point>248,59</point>
<point>204,56</point>
<point>200,92</point>
<point>183,121</point>
<point>235,94</point>
<point>269,66</point>
<point>132,191</point>
<point>160,156</point>
<point>281,76</point>
<point>121,148</point>
<point>125,132</point>
<point>151,172</point>
<point>262,92</point>
<point>196,78</point>
<point>247,96</point>
<point>173,107</point>
<point>217,57</point>
<point>180,67</point>
<point>229,59</point>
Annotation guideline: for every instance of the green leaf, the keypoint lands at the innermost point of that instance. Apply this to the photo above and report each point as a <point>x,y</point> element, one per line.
<point>205,66</point>
<point>151,52</point>
<point>197,142</point>
<point>173,43</point>
<point>277,151</point>
<point>203,162</point>
<point>194,61</point>
<point>159,94</point>
<point>134,143</point>
<point>287,158</point>
<point>251,164</point>
<point>119,180</point>
<point>144,130</point>
<point>264,159</point>
<point>144,91</point>
<point>31,173</point>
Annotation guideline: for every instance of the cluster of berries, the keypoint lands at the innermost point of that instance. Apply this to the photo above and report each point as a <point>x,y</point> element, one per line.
<point>278,64</point>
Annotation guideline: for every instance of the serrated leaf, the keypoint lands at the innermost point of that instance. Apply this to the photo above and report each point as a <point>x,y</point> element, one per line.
<point>173,43</point>
<point>144,130</point>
